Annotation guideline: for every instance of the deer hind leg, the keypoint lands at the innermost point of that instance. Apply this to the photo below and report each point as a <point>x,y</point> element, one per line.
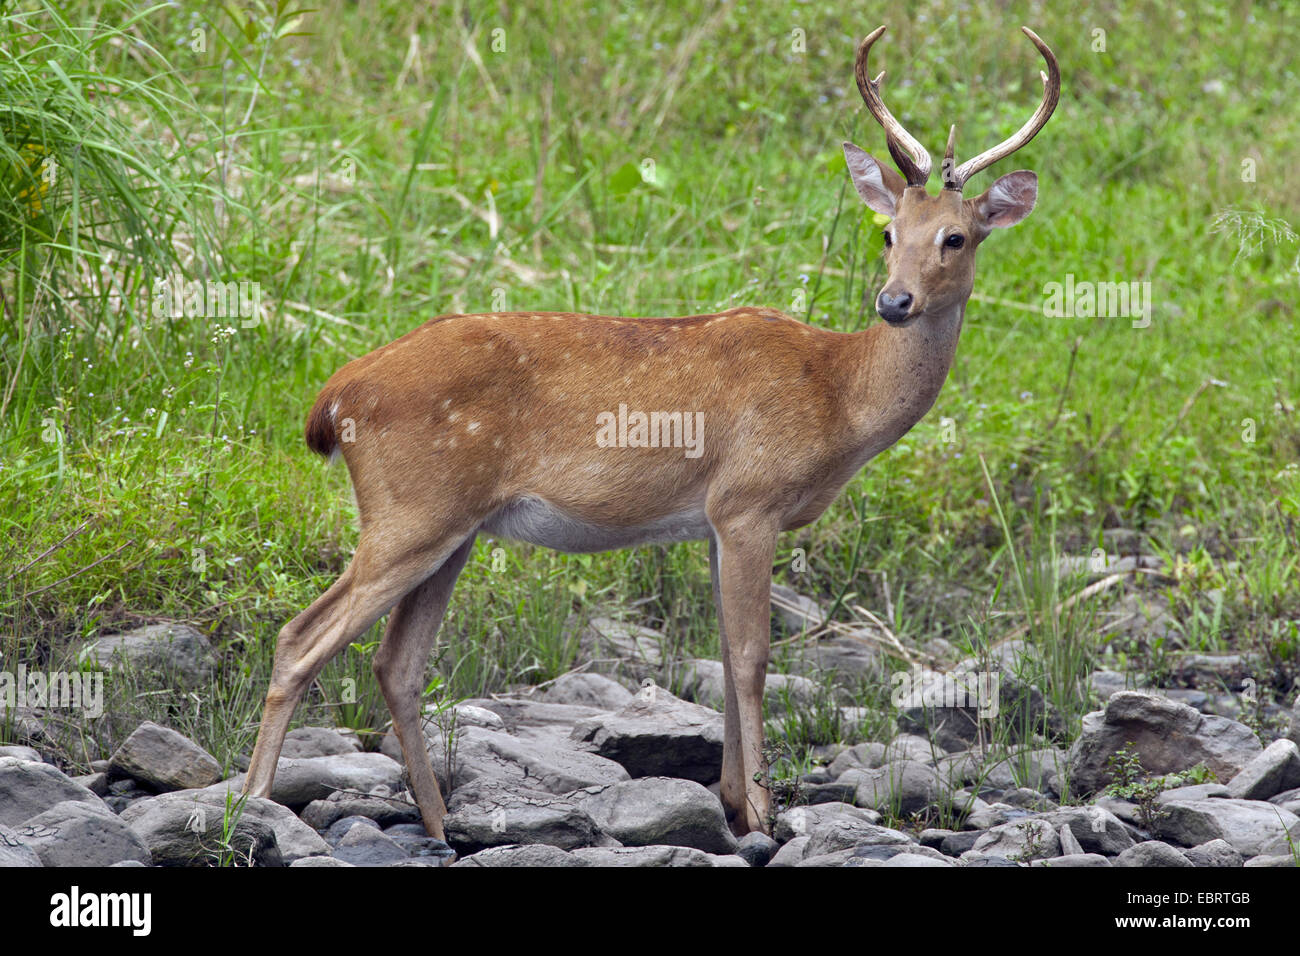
<point>372,583</point>
<point>399,665</point>
<point>741,559</point>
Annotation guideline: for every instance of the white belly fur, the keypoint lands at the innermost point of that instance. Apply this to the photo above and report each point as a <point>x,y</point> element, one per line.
<point>539,522</point>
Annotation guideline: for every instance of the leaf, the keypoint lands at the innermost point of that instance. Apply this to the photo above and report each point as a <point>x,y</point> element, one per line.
<point>625,179</point>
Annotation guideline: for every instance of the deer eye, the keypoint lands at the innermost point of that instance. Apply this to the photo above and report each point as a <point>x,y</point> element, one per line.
<point>955,241</point>
<point>889,240</point>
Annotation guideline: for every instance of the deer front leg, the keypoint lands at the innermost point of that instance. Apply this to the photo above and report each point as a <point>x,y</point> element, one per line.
<point>741,557</point>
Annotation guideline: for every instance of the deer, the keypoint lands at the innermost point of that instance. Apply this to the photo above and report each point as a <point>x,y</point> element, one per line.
<point>503,424</point>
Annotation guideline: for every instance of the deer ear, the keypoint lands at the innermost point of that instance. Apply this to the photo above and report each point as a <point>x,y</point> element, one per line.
<point>1008,200</point>
<point>879,186</point>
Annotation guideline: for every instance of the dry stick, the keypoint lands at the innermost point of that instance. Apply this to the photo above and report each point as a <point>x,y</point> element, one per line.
<point>1095,588</point>
<point>52,548</point>
<point>1187,405</point>
<point>889,645</point>
<point>1065,391</point>
<point>69,577</point>
<point>543,152</point>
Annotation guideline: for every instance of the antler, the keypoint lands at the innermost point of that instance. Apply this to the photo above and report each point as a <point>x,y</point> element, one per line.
<point>1051,95</point>
<point>911,157</point>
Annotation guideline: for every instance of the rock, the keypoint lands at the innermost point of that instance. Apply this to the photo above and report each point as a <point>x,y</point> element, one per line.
<point>704,683</point>
<point>901,787</point>
<point>1022,841</point>
<point>412,838</point>
<point>1284,861</point>
<point>1213,670</point>
<point>20,752</point>
<point>487,813</point>
<point>164,760</point>
<point>1036,768</point>
<point>1287,800</point>
<point>1096,829</point>
<point>15,851</point>
<point>797,613</point>
<point>385,811</point>
<point>480,753</point>
<point>906,859</point>
<point>367,846</point>
<point>318,742</point>
<point>790,854</point>
<point>96,783</point>
<point>1198,791</point>
<point>318,861</point>
<point>174,650</point>
<point>1027,799</point>
<point>957,844</point>
<point>1168,737</point>
<point>587,690</point>
<point>1152,853</point>
<point>619,647</point>
<point>801,821</point>
<point>1070,846</point>
<point>1216,853</point>
<point>756,848</point>
<point>842,659</point>
<point>1249,826</point>
<point>536,855</point>
<point>972,858</point>
<point>846,834</point>
<point>993,815</point>
<point>1275,770</point>
<point>1073,861</point>
<point>27,789</point>
<point>180,831</point>
<point>1104,683</point>
<point>655,856</point>
<point>652,811</point>
<point>658,734</point>
<point>1294,735</point>
<point>867,756</point>
<point>339,828</point>
<point>299,781</point>
<point>948,707</point>
<point>76,833</point>
<point>166,822</point>
<point>539,720</point>
<point>470,715</point>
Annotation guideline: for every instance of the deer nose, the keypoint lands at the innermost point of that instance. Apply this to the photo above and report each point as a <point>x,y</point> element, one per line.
<point>894,308</point>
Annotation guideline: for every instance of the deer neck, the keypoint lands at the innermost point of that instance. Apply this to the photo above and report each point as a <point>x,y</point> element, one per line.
<point>896,375</point>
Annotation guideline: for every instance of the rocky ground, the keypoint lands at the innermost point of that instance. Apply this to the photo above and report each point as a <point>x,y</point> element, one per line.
<point>612,770</point>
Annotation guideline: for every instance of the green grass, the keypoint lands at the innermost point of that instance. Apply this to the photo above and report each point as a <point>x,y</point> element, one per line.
<point>369,171</point>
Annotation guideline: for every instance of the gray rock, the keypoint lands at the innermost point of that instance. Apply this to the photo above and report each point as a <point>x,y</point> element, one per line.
<point>535,855</point>
<point>845,834</point>
<point>180,829</point>
<point>1095,828</point>
<point>587,690</point>
<point>318,861</point>
<point>790,853</point>
<point>15,851</point>
<point>1250,826</point>
<point>1073,861</point>
<point>1275,770</point>
<point>801,821</point>
<point>703,682</point>
<point>1287,800</point>
<point>906,859</point>
<point>1022,841</point>
<point>971,858</point>
<point>1027,799</point>
<point>299,781</point>
<point>175,650</point>
<point>655,856</point>
<point>957,844</point>
<point>27,789</point>
<point>1294,735</point>
<point>658,734</point>
<point>540,720</point>
<point>652,811</point>
<point>162,821</point>
<point>756,848</point>
<point>470,715</point>
<point>866,756</point>
<point>1038,768</point>
<point>797,613</point>
<point>992,815</point>
<point>1167,736</point>
<point>1152,853</point>
<point>487,813</point>
<point>479,753</point>
<point>318,742</point>
<point>901,787</point>
<point>1104,683</point>
<point>20,752</point>
<point>845,661</point>
<point>385,811</point>
<point>96,783</point>
<point>1284,861</point>
<point>620,647</point>
<point>1197,791</point>
<point>164,760</point>
<point>366,846</point>
<point>75,833</point>
<point>339,828</point>
<point>1216,853</point>
<point>1070,845</point>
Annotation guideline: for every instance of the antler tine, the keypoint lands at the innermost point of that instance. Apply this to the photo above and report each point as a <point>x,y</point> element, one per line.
<point>1051,95</point>
<point>911,157</point>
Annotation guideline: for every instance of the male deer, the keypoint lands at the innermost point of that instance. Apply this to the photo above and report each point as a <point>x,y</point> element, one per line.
<point>500,423</point>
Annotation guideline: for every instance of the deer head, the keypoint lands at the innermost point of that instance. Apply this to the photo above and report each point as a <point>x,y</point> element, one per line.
<point>931,241</point>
